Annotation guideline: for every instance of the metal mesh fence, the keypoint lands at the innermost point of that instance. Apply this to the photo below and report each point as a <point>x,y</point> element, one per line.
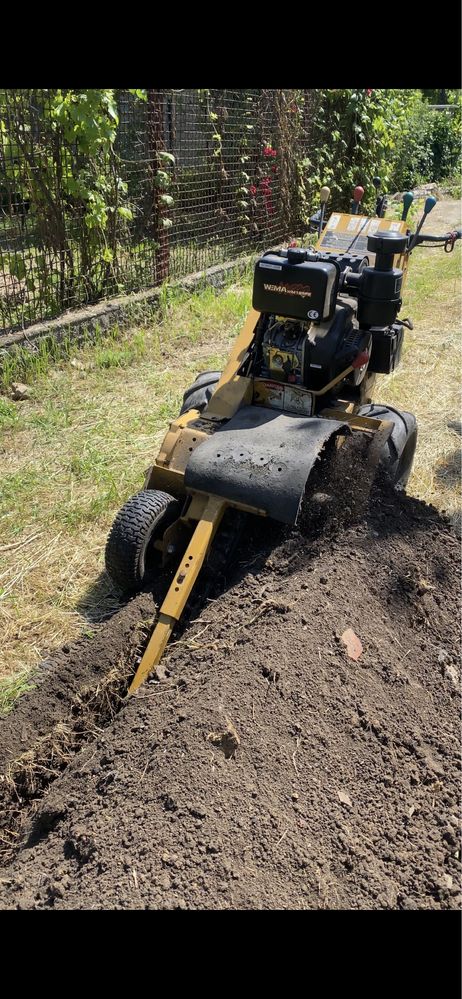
<point>193,178</point>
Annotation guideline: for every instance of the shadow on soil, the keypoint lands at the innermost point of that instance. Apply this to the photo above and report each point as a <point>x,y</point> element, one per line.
<point>102,599</point>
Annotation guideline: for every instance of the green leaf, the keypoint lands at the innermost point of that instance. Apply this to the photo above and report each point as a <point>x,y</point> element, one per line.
<point>166,156</point>
<point>166,199</point>
<point>140,94</point>
<point>126,213</point>
<point>112,111</point>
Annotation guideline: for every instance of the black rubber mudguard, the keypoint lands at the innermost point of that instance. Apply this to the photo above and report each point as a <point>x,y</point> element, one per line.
<point>262,458</point>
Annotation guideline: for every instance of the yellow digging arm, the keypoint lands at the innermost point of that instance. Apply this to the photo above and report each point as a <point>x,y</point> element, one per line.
<point>182,585</point>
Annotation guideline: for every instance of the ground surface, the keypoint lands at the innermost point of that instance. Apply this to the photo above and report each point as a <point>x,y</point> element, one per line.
<point>268,769</point>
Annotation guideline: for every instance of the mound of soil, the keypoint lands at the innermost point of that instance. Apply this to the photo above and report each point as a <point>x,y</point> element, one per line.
<point>268,770</point>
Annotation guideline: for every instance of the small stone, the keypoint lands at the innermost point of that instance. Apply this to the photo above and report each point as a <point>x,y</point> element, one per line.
<point>198,812</point>
<point>321,498</point>
<point>228,740</point>
<point>323,579</point>
<point>19,391</point>
<point>295,796</point>
<point>449,838</point>
<point>450,673</point>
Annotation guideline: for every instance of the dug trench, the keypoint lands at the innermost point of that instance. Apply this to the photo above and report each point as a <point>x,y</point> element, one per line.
<point>267,769</point>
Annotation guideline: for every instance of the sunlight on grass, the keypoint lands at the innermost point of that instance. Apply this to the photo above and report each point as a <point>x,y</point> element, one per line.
<point>77,450</point>
<point>428,381</point>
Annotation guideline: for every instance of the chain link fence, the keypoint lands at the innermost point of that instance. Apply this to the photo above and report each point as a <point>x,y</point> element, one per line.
<point>95,203</point>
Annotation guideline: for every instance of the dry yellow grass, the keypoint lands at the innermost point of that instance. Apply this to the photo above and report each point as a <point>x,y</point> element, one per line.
<point>76,450</point>
<point>72,455</point>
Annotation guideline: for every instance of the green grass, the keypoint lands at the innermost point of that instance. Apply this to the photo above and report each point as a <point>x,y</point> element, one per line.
<point>9,414</point>
<point>12,687</point>
<point>78,448</point>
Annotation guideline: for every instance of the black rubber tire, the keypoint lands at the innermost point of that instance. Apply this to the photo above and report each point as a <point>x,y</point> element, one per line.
<point>399,451</point>
<point>198,395</point>
<point>130,562</point>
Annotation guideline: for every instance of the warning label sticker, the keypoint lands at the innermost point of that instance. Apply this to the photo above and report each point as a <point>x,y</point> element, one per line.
<point>333,221</point>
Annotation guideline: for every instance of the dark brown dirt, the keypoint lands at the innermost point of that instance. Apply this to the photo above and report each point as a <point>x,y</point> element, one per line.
<point>60,680</point>
<point>268,770</point>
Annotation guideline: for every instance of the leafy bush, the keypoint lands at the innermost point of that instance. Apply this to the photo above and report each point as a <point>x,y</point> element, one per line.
<point>446,143</point>
<point>429,145</point>
<point>353,137</point>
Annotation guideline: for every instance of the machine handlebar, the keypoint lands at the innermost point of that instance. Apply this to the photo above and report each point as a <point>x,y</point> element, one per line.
<point>448,239</point>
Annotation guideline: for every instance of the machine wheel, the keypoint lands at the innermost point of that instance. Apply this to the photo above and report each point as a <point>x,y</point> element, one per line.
<point>130,556</point>
<point>200,392</point>
<point>400,448</point>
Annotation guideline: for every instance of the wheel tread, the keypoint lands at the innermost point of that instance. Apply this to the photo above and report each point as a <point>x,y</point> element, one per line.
<point>127,537</point>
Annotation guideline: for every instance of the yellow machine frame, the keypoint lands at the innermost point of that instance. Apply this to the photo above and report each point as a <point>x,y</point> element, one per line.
<point>205,511</point>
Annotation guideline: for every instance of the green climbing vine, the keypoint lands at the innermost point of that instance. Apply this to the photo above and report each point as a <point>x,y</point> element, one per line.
<point>92,204</point>
<point>73,182</point>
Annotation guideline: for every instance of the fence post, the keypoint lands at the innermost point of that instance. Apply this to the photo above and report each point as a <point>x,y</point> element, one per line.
<point>158,231</point>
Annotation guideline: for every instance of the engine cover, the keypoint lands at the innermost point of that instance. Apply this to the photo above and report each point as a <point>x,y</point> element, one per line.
<point>299,290</point>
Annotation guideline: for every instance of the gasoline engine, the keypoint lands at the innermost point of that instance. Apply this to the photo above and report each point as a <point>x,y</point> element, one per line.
<point>322,313</point>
